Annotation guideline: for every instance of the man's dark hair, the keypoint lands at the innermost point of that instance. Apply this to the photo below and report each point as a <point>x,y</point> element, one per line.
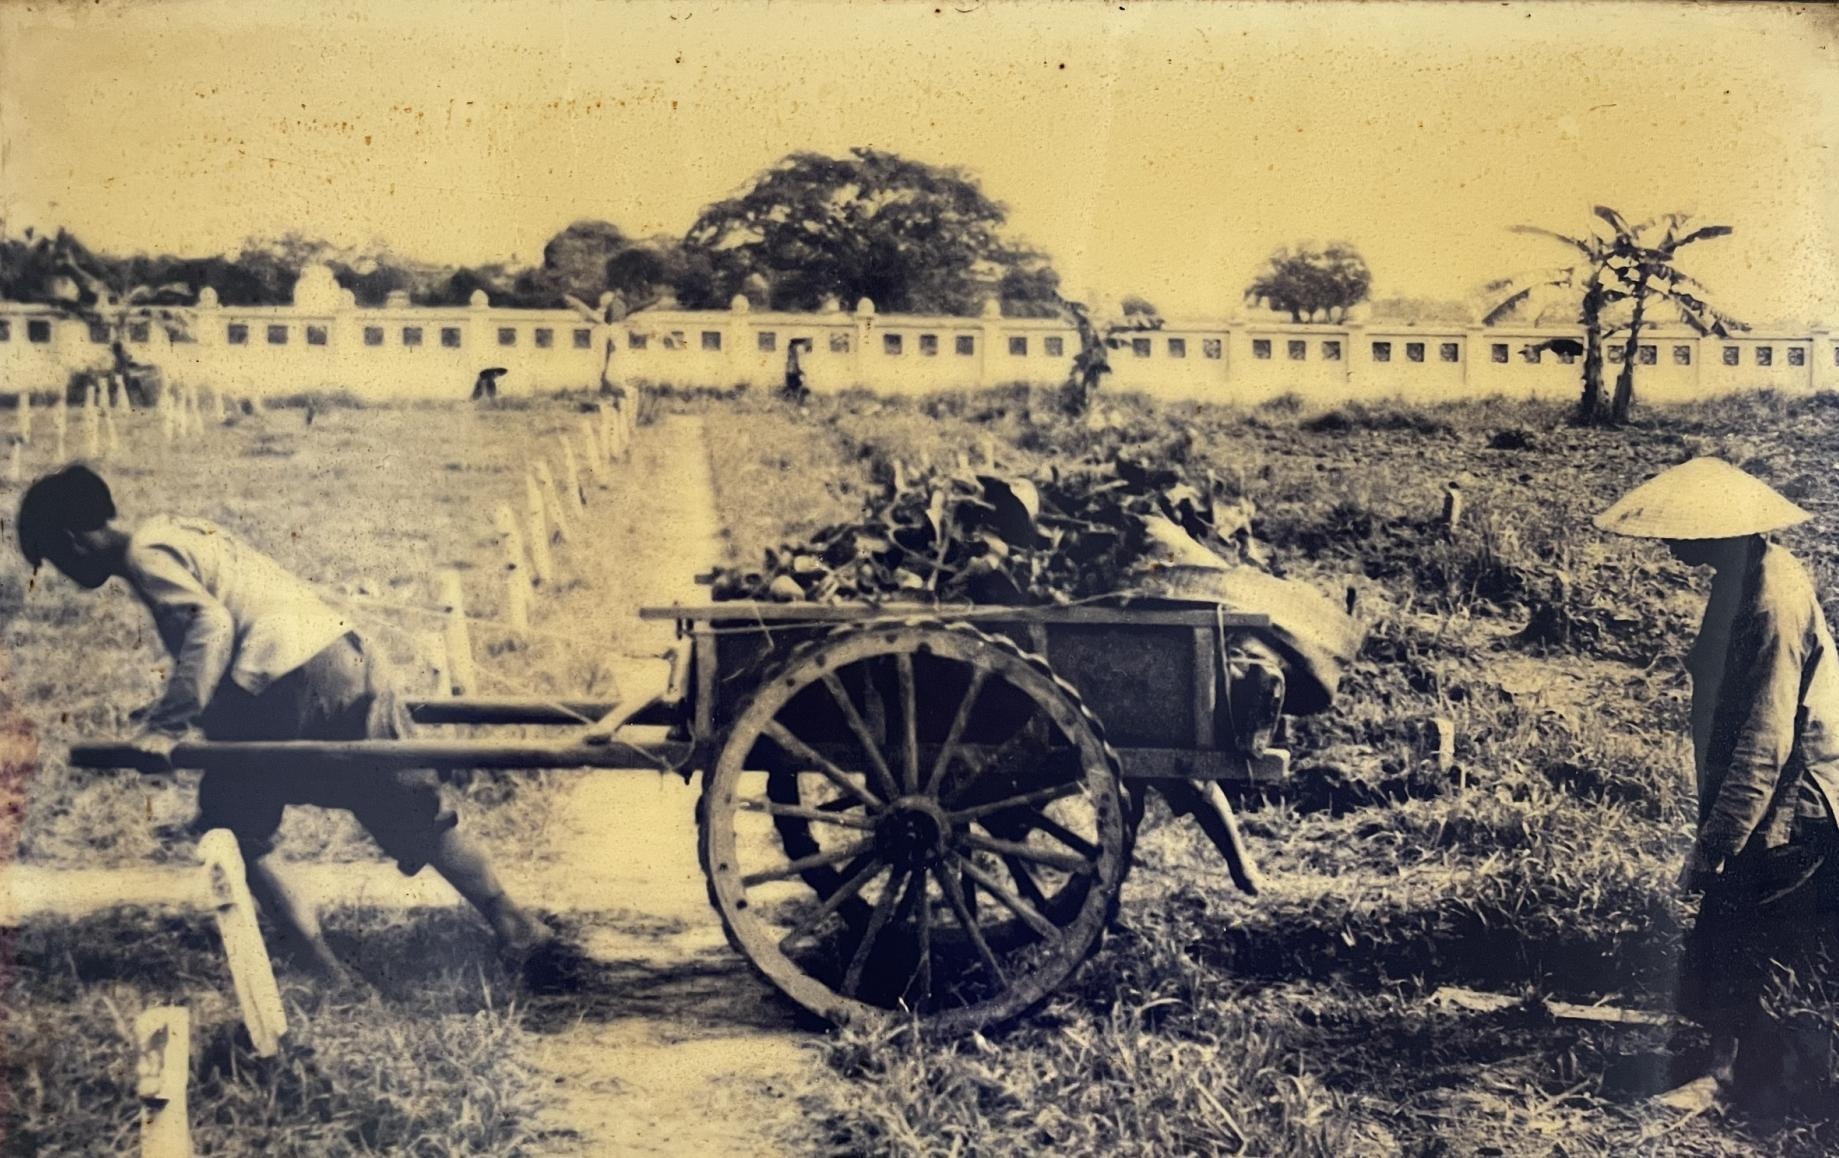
<point>73,499</point>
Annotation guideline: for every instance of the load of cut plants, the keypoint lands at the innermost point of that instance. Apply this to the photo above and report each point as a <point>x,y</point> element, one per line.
<point>1057,535</point>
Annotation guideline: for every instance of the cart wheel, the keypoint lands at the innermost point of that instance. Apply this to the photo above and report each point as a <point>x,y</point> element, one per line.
<point>915,818</point>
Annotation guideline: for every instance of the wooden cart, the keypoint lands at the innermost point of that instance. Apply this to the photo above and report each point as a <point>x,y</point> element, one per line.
<point>904,811</point>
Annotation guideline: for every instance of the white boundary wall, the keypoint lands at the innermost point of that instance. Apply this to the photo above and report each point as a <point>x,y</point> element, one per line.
<point>402,352</point>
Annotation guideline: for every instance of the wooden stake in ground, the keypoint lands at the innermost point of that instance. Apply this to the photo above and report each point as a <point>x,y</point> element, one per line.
<point>92,425</point>
<point>251,973</point>
<point>552,498</point>
<point>574,490</point>
<point>25,417</point>
<point>163,1039</point>
<point>542,563</point>
<point>1452,506</point>
<point>596,454</point>
<point>433,647</point>
<point>516,571</point>
<point>461,669</point>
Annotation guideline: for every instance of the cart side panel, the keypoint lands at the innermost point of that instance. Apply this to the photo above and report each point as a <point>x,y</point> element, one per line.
<point>1139,680</point>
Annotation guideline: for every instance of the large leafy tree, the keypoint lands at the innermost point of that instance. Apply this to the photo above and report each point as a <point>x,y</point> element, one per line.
<point>1311,283</point>
<point>1616,278</point>
<point>911,237</point>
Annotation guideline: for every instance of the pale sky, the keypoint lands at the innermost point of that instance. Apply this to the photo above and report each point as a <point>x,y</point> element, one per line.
<point>1161,150</point>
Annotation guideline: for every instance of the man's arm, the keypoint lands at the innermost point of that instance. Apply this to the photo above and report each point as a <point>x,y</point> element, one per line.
<point>202,625</point>
<point>1765,737</point>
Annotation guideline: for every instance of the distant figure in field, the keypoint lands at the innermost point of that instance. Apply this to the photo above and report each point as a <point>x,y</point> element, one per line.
<point>486,384</point>
<point>1765,741</point>
<point>795,372</point>
<point>258,656</point>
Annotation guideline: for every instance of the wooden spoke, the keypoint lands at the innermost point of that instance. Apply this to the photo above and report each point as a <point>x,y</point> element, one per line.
<point>884,779</point>
<point>1042,822</point>
<point>950,750</point>
<point>1028,913</point>
<point>871,868</point>
<point>798,812</point>
<point>922,916</point>
<point>807,863</point>
<point>1038,796</point>
<point>877,921</point>
<point>1025,883</point>
<point>1002,752</point>
<point>954,896</point>
<point>1021,851</point>
<point>784,738</point>
<point>909,724</point>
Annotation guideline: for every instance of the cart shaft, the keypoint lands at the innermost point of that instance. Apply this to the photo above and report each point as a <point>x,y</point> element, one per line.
<point>384,755</point>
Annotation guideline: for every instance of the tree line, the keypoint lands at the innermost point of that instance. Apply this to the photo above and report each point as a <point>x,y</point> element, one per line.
<point>814,230</point>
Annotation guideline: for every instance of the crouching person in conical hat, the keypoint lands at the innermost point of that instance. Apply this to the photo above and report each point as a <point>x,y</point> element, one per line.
<point>1765,739</point>
<point>258,656</point>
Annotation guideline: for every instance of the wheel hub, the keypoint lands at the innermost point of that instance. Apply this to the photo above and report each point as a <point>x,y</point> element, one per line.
<point>911,833</point>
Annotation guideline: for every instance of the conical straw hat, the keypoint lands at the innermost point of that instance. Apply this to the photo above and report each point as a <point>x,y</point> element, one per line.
<point>1706,498</point>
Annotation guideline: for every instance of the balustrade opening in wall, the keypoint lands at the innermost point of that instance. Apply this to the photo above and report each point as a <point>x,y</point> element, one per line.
<point>411,335</point>
<point>1797,356</point>
<point>1450,352</point>
<point>1497,351</point>
<point>711,339</point>
<point>1140,347</point>
<point>373,335</point>
<point>890,344</point>
<point>316,335</point>
<point>584,339</point>
<point>507,335</point>
<point>1682,355</point>
<point>1647,355</point>
<point>1414,351</point>
<point>450,337</point>
<point>1018,347</point>
<point>1565,356</point>
<point>1382,351</point>
<point>139,332</point>
<point>1212,349</point>
<point>545,337</point>
<point>1532,355</point>
<point>1261,348</point>
<point>1732,356</point>
<point>929,345</point>
<point>1178,347</point>
<point>839,343</point>
<point>637,341</point>
<point>38,331</point>
<point>1331,351</point>
<point>1054,347</point>
<point>98,333</point>
<point>1765,355</point>
<point>6,330</point>
<point>236,334</point>
<point>965,344</point>
<point>277,335</point>
<point>766,341</point>
<point>1298,350</point>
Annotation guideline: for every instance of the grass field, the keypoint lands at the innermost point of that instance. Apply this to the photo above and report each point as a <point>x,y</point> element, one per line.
<point>1543,863</point>
<point>364,503</point>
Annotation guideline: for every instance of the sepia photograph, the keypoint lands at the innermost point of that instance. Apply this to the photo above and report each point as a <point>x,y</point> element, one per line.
<point>977,578</point>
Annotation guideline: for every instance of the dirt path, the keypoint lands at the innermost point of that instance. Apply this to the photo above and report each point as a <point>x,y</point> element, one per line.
<point>683,1049</point>
<point>689,1053</point>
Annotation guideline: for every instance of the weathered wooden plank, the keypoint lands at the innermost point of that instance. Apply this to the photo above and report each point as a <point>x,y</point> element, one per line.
<point>163,1040</point>
<point>740,612</point>
<point>251,973</point>
<point>383,755</point>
